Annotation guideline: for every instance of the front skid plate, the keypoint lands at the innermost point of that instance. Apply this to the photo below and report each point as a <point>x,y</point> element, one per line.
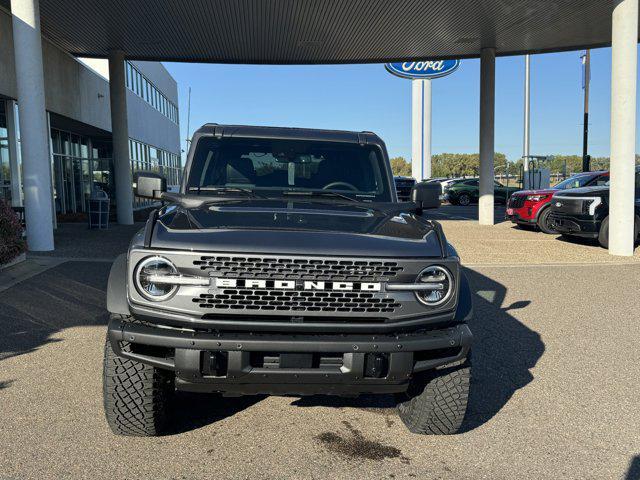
<point>243,378</point>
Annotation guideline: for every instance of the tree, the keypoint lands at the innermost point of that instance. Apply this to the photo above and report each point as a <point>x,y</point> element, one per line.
<point>400,167</point>
<point>463,164</point>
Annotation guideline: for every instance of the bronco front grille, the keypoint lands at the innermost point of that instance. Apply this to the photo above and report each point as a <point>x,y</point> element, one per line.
<point>299,268</point>
<point>297,301</point>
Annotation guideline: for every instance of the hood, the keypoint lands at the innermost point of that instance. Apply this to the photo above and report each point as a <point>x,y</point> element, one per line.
<point>545,191</point>
<point>601,191</point>
<point>297,227</point>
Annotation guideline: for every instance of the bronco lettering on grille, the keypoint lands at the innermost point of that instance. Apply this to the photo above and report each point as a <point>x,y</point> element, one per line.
<point>297,285</point>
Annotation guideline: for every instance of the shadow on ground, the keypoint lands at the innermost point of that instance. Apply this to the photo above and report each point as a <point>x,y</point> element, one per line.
<point>591,242</point>
<point>633,473</point>
<point>504,352</point>
<point>75,240</point>
<point>69,295</point>
<point>196,410</point>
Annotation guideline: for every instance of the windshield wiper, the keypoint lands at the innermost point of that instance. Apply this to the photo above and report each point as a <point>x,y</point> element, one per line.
<point>246,191</point>
<point>319,194</point>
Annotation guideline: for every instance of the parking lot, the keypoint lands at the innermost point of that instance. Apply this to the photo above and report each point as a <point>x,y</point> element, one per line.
<point>554,391</point>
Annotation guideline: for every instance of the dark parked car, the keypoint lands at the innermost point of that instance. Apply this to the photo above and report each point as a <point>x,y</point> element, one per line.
<point>532,207</point>
<point>584,212</point>
<point>464,192</point>
<point>285,265</point>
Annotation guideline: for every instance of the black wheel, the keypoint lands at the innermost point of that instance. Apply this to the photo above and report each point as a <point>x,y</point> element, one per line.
<point>136,396</point>
<point>603,235</point>
<point>464,199</point>
<point>436,403</point>
<point>544,223</point>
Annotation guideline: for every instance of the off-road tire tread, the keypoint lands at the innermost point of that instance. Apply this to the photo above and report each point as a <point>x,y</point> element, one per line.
<point>440,408</point>
<point>136,396</point>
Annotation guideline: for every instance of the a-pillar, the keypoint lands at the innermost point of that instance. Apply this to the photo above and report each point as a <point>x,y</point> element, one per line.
<point>624,38</point>
<point>120,138</point>
<point>34,135</point>
<point>487,118</point>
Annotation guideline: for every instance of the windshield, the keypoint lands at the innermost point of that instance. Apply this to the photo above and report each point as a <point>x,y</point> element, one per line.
<point>274,167</point>
<point>576,181</point>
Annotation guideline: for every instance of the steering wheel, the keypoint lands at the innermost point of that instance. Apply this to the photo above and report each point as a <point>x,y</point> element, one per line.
<point>343,184</point>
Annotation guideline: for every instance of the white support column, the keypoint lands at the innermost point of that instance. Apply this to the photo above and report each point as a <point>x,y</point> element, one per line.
<point>14,153</point>
<point>421,129</point>
<point>487,117</point>
<point>27,45</point>
<point>120,138</point>
<point>623,125</point>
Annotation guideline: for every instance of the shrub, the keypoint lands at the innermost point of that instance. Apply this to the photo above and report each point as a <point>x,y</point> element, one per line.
<point>12,243</point>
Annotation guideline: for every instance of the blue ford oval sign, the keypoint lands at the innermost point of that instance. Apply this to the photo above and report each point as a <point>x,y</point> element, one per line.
<point>423,69</point>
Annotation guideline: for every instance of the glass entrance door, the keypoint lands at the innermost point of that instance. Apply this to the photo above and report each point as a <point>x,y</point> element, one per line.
<point>72,170</point>
<point>5,171</point>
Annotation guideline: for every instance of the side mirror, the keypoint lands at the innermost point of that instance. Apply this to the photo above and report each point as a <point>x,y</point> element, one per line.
<point>426,195</point>
<point>149,185</point>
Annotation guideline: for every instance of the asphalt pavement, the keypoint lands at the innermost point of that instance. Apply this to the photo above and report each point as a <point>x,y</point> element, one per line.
<point>554,392</point>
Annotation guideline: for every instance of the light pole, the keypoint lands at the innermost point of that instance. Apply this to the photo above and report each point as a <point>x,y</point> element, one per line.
<point>527,111</point>
<point>586,78</point>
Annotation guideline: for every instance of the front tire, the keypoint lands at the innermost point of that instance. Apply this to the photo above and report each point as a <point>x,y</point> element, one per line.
<point>436,404</point>
<point>603,235</point>
<point>544,224</point>
<point>136,396</point>
<point>464,200</point>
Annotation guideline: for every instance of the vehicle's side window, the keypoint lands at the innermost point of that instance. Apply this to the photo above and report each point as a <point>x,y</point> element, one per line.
<point>472,183</point>
<point>602,180</point>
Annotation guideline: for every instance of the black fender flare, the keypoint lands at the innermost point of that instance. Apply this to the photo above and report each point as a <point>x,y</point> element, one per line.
<point>464,311</point>
<point>117,287</point>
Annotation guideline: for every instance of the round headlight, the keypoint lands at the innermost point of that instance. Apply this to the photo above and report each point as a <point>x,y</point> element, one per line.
<point>439,286</point>
<point>155,266</point>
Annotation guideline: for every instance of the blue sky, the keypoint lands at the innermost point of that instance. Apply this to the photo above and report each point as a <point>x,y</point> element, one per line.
<point>367,97</point>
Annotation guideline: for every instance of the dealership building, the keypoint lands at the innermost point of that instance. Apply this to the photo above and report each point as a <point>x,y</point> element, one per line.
<point>79,147</point>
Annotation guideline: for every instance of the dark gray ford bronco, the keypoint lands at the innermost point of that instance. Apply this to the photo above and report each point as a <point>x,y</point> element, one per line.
<point>286,265</point>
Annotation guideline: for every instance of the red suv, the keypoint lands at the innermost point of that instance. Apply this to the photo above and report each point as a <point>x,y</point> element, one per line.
<point>531,207</point>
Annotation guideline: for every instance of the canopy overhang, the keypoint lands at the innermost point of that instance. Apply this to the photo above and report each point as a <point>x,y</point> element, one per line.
<point>326,31</point>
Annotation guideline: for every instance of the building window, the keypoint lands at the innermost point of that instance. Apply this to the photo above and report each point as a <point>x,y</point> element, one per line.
<point>145,89</point>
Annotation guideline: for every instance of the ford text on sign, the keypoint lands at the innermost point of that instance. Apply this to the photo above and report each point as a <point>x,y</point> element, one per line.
<point>423,69</point>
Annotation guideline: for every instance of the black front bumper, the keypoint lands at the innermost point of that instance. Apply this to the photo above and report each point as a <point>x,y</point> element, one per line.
<point>579,226</point>
<point>396,357</point>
